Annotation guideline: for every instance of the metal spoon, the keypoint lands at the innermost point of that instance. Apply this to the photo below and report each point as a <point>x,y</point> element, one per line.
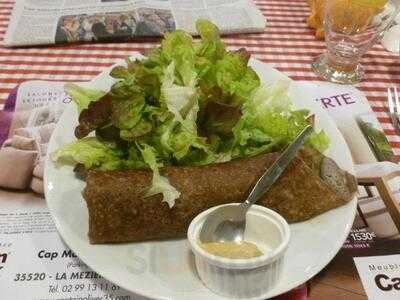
<point>227,223</point>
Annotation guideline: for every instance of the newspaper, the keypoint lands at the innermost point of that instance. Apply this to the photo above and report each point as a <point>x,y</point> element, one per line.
<point>35,22</point>
<point>36,264</point>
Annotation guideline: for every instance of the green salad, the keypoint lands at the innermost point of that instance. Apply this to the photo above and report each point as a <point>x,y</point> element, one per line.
<point>187,103</point>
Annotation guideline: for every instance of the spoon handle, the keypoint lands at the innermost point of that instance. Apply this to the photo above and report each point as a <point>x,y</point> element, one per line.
<point>274,172</point>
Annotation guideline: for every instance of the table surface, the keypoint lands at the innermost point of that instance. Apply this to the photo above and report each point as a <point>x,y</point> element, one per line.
<point>287,44</point>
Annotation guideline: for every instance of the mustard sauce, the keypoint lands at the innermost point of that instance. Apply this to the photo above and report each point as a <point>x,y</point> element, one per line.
<point>232,249</point>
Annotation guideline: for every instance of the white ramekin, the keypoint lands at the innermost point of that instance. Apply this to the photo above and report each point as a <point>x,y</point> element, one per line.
<point>244,278</point>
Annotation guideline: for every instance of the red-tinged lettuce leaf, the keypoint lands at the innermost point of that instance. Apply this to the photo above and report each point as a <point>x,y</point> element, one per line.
<point>125,89</point>
<point>243,54</point>
<point>120,72</point>
<point>127,113</point>
<point>219,118</point>
<point>96,115</point>
<point>211,46</point>
<point>235,78</point>
<point>141,129</point>
<point>111,135</point>
<point>148,78</point>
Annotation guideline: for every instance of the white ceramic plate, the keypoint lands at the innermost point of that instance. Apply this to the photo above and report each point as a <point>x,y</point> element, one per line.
<point>165,269</point>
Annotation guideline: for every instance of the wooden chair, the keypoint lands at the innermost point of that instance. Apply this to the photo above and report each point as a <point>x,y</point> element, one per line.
<point>378,175</point>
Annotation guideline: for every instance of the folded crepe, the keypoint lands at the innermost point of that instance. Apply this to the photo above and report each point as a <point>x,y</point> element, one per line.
<point>119,210</point>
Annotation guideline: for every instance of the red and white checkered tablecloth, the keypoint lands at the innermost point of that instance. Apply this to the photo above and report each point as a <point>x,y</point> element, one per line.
<point>287,43</point>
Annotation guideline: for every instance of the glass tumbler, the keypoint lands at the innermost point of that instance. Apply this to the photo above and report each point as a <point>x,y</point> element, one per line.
<point>351,29</point>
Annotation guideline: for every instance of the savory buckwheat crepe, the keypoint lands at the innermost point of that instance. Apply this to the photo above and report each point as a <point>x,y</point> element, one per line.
<point>120,212</point>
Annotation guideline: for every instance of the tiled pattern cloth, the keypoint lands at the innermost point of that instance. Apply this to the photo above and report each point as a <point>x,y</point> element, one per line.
<point>287,43</point>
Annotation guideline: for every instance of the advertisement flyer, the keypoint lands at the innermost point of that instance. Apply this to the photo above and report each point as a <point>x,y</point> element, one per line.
<point>374,237</point>
<point>34,262</point>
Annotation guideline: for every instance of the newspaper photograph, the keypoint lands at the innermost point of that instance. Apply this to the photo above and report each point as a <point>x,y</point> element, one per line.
<point>36,22</point>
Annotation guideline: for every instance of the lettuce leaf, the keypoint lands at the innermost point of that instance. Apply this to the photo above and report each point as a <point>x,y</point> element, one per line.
<point>319,141</point>
<point>177,47</point>
<point>90,152</point>
<point>211,47</point>
<point>128,112</point>
<point>188,103</point>
<point>235,79</point>
<point>178,99</point>
<point>270,122</point>
<point>160,184</point>
<point>82,96</point>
